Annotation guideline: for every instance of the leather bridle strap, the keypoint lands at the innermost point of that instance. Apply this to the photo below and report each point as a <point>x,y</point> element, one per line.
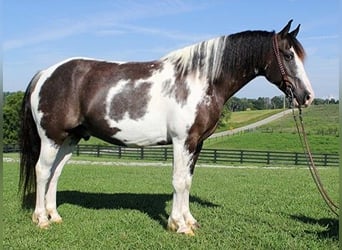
<point>284,78</point>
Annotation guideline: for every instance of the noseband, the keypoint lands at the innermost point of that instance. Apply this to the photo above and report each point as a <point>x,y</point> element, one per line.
<point>284,78</point>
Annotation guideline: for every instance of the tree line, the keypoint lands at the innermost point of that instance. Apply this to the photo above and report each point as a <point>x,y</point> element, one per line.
<point>12,106</point>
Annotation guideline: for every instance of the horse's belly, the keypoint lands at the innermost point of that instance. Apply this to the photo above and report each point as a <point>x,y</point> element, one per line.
<point>142,133</point>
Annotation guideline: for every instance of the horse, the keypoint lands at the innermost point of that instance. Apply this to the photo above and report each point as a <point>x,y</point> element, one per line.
<point>176,100</point>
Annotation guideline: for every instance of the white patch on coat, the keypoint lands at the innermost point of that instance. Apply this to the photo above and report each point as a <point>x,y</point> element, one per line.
<point>165,118</point>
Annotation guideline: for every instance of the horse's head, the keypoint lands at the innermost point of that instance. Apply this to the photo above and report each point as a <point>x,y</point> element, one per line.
<point>286,69</point>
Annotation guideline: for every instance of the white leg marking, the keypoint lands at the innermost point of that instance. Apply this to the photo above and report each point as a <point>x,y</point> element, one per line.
<point>63,155</point>
<point>47,156</point>
<point>48,169</point>
<point>180,219</point>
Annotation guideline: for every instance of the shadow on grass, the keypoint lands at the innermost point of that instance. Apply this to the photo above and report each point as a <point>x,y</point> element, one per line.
<point>151,204</point>
<point>331,226</point>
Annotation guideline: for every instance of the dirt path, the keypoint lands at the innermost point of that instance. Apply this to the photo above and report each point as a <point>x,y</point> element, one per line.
<point>253,125</point>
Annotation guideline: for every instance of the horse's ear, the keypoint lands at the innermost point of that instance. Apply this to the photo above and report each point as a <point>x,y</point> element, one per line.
<point>294,33</point>
<point>285,30</point>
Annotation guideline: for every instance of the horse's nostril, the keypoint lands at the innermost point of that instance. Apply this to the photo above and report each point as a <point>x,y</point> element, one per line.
<point>308,97</point>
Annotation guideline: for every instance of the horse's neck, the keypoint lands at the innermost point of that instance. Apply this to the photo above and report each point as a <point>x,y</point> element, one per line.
<point>232,80</point>
<point>228,84</point>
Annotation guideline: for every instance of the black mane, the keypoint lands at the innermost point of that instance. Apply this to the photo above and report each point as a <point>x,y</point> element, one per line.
<point>244,51</point>
<point>223,54</point>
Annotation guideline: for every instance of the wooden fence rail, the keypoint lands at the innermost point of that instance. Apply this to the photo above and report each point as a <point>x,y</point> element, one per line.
<point>219,156</point>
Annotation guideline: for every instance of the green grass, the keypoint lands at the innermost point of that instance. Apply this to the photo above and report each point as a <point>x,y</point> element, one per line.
<point>288,142</point>
<point>318,120</point>
<point>127,208</point>
<point>243,118</point>
<point>321,124</point>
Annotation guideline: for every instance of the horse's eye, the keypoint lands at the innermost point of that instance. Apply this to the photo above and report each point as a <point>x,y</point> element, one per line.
<point>288,56</point>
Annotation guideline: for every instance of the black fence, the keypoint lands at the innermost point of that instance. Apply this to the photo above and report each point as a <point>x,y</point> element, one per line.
<point>219,156</point>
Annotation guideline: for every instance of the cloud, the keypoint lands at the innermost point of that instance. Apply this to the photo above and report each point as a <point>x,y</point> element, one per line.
<point>103,21</point>
<point>171,34</point>
<point>45,36</point>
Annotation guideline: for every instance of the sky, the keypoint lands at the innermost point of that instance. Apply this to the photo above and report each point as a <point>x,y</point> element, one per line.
<point>40,33</point>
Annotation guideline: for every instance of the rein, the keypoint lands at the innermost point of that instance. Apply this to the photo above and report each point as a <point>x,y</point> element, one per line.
<point>301,130</point>
<point>312,167</point>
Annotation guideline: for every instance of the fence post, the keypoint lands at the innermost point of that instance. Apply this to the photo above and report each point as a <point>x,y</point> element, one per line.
<point>325,160</point>
<point>141,153</point>
<point>165,154</point>
<point>241,156</point>
<point>119,152</point>
<point>215,155</point>
<point>296,158</point>
<point>98,151</point>
<point>78,150</point>
<point>268,158</point>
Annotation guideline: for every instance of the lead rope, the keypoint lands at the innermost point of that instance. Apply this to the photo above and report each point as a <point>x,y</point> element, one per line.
<point>312,167</point>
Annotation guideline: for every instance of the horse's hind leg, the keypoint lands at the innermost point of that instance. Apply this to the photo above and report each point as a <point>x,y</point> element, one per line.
<point>43,168</point>
<point>51,161</point>
<point>63,155</point>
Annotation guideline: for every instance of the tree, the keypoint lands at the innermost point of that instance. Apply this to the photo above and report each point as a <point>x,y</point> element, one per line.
<point>224,118</point>
<point>11,116</point>
<point>277,102</point>
<point>260,103</point>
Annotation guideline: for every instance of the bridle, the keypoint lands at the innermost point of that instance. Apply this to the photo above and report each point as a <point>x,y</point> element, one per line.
<point>284,76</point>
<point>300,129</point>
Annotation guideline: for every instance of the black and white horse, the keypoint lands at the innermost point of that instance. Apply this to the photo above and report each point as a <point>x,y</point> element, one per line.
<point>175,100</point>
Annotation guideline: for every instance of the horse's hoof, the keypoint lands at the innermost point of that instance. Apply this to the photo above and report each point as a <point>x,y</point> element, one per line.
<point>53,216</point>
<point>44,225</point>
<point>189,232</point>
<point>34,218</point>
<point>172,226</point>
<point>57,220</point>
<point>186,231</point>
<point>194,226</point>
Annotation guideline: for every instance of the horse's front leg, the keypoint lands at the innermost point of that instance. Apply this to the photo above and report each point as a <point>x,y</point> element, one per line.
<point>181,220</point>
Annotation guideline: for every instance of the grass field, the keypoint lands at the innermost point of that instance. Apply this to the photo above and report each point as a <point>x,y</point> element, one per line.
<point>121,207</point>
<point>321,123</point>
<point>243,118</point>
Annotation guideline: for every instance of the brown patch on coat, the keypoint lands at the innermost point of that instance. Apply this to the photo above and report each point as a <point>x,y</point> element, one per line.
<point>72,99</point>
<point>207,117</point>
<point>132,100</point>
<point>59,100</point>
<point>178,90</point>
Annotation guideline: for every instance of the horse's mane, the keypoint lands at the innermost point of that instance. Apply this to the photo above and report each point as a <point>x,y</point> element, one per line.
<point>210,58</point>
<point>204,57</point>
<point>226,53</point>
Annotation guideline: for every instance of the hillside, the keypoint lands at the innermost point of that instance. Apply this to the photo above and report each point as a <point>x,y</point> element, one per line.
<point>242,118</point>
<point>321,123</point>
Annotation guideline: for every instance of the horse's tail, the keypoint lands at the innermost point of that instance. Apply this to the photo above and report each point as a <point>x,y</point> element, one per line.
<point>29,143</point>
